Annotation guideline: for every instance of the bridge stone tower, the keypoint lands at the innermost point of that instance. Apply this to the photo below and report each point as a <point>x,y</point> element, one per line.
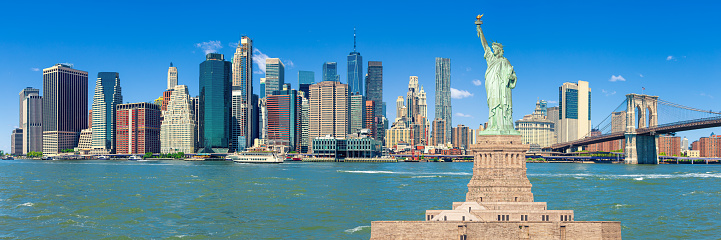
<point>641,149</point>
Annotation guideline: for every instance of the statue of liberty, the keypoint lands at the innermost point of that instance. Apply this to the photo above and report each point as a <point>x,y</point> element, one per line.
<point>500,79</point>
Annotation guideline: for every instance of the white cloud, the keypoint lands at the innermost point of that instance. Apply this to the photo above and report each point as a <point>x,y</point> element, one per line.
<point>706,95</point>
<point>607,93</point>
<point>35,69</point>
<point>615,78</point>
<point>463,115</point>
<point>468,69</point>
<point>640,75</point>
<point>233,44</point>
<point>669,58</point>
<point>458,94</point>
<point>259,59</point>
<point>288,64</point>
<point>554,102</point>
<point>477,82</point>
<point>209,46</point>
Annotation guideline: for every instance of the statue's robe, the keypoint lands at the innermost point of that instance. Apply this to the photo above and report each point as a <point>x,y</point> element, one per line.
<point>500,79</point>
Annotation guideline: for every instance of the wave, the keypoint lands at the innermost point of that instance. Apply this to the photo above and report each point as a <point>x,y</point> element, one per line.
<point>27,204</point>
<point>637,177</point>
<point>407,173</point>
<point>355,229</point>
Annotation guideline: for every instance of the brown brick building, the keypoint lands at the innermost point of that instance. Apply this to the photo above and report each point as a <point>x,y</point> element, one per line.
<point>708,146</point>
<point>138,128</point>
<point>669,145</point>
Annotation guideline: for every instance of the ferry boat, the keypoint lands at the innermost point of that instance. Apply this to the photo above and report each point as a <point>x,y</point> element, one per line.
<point>135,158</point>
<point>272,154</point>
<point>256,157</point>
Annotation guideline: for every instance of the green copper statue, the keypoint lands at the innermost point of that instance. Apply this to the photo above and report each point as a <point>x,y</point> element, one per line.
<point>500,79</point>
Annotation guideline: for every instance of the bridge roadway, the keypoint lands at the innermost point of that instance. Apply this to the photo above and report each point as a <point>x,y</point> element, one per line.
<point>659,129</point>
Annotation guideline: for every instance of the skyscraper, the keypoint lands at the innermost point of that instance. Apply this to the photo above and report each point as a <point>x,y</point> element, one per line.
<point>195,107</point>
<point>370,122</point>
<point>215,103</point>
<point>32,112</point>
<point>243,108</point>
<point>305,79</point>
<point>65,107</point>
<point>439,132</point>
<point>284,115</point>
<point>262,88</point>
<point>108,95</point>
<point>177,131</point>
<point>443,94</point>
<point>138,128</point>
<point>238,141</point>
<point>355,69</point>
<point>400,108</point>
<point>574,101</point>
<point>374,92</point>
<point>274,75</point>
<point>23,94</point>
<point>172,77</point>
<point>357,112</point>
<point>422,117</point>
<point>460,136</point>
<point>330,71</point>
<point>31,121</point>
<point>16,142</point>
<point>329,109</point>
<point>305,125</point>
<point>412,99</point>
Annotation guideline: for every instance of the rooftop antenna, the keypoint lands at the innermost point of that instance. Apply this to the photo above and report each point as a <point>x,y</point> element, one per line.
<point>354,39</point>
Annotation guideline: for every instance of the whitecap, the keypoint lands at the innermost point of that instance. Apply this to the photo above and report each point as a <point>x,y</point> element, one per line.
<point>425,176</point>
<point>638,178</point>
<point>408,173</point>
<point>355,229</point>
<point>27,204</point>
<point>367,171</point>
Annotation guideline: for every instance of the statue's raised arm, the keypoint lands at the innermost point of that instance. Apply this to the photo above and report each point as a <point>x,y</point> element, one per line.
<point>480,34</point>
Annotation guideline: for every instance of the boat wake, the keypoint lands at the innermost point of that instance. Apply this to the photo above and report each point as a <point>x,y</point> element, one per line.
<point>637,177</point>
<point>408,173</point>
<point>355,229</point>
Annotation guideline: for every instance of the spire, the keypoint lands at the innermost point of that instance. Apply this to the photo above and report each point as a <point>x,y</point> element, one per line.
<point>171,64</point>
<point>354,39</point>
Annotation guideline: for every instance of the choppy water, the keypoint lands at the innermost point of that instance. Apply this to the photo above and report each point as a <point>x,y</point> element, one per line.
<point>174,199</point>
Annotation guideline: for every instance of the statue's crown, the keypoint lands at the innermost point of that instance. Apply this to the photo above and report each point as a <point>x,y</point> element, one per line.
<point>497,44</point>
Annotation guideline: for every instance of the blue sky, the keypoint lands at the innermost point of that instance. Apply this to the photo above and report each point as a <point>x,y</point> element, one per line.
<point>671,48</point>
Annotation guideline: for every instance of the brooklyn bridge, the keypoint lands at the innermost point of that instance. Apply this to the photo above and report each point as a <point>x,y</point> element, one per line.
<point>639,120</point>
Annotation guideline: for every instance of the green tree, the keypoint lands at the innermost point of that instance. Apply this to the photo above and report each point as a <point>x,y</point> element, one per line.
<point>34,154</point>
<point>148,155</point>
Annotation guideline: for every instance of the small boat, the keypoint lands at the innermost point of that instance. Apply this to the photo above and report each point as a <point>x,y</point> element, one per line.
<point>135,158</point>
<point>8,158</point>
<point>47,158</point>
<point>103,158</point>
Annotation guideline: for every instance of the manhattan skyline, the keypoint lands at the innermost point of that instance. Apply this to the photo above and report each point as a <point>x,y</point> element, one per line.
<point>617,47</point>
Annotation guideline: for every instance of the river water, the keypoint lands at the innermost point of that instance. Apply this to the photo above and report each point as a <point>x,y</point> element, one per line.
<point>207,200</point>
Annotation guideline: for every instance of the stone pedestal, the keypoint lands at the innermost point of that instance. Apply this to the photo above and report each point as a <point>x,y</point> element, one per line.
<point>499,170</point>
<point>499,205</point>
